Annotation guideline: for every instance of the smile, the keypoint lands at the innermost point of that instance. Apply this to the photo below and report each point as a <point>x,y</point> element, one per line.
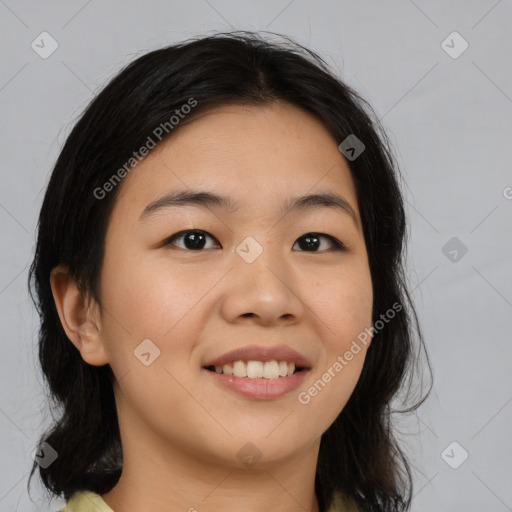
<point>257,369</point>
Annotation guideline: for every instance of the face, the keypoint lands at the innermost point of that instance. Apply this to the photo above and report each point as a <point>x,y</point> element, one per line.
<point>183,284</point>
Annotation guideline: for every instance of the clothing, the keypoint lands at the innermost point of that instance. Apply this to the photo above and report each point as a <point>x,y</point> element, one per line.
<point>86,501</point>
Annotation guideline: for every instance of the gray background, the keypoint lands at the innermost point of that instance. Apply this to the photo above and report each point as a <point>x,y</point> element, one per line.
<point>449,120</point>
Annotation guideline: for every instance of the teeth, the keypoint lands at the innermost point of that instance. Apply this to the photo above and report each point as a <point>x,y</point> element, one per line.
<point>258,369</point>
<point>239,369</point>
<point>271,370</point>
<point>254,369</point>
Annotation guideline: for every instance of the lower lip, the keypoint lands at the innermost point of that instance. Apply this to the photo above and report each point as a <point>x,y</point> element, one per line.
<point>259,389</point>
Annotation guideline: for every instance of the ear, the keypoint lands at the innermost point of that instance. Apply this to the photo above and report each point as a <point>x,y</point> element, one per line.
<point>80,321</point>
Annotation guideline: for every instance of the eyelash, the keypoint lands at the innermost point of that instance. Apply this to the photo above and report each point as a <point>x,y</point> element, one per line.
<point>337,245</point>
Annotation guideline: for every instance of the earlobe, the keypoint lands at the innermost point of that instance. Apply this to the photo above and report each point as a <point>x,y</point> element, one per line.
<point>80,321</point>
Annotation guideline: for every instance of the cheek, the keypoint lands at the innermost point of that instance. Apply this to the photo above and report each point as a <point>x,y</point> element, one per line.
<point>344,301</point>
<point>149,299</point>
<point>344,306</point>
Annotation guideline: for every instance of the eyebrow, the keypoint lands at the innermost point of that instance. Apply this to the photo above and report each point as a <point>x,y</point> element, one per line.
<point>207,200</point>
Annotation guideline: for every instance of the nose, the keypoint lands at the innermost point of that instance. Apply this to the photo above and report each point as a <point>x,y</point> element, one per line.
<point>265,292</point>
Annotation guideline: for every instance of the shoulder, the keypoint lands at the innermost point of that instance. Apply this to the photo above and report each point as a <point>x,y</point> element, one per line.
<point>86,501</point>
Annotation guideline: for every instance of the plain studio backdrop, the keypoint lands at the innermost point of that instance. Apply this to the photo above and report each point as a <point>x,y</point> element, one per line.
<point>439,77</point>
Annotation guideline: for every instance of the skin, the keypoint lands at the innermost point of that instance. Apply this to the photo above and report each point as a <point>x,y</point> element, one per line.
<point>181,434</point>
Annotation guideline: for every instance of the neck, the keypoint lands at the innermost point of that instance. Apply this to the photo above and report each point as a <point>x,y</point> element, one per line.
<point>174,481</point>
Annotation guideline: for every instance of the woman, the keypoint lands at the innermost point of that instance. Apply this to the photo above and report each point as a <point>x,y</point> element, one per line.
<point>224,317</point>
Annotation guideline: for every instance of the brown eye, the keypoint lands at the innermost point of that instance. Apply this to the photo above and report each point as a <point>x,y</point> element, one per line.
<point>310,242</point>
<point>193,240</point>
<point>196,240</point>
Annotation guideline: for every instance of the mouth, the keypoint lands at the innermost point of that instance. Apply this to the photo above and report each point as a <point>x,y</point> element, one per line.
<point>256,362</point>
<point>249,381</point>
<point>272,369</point>
<point>259,373</point>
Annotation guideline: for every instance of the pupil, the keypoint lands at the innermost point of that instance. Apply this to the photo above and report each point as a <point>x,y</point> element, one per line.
<point>195,239</point>
<point>311,241</point>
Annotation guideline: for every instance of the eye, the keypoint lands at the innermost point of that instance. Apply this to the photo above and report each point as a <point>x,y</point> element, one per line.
<point>311,241</point>
<point>194,240</point>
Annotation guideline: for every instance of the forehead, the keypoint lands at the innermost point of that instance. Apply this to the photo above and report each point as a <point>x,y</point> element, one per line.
<point>258,155</point>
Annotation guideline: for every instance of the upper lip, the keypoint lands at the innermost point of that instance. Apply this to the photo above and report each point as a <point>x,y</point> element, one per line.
<point>260,353</point>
